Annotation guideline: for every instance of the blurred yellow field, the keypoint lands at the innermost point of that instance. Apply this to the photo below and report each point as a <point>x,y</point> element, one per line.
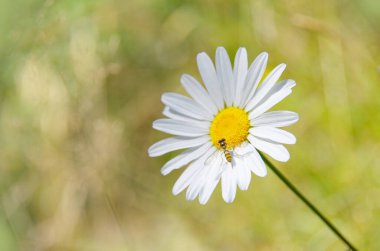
<point>81,83</point>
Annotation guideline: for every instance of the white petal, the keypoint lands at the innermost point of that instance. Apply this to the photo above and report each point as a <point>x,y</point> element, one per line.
<point>175,143</point>
<point>209,77</point>
<point>273,134</point>
<point>187,177</point>
<point>207,173</point>
<point>200,95</point>
<point>284,84</point>
<point>276,119</point>
<point>266,86</point>
<point>243,149</point>
<point>175,115</point>
<point>254,75</point>
<point>243,174</point>
<point>274,96</point>
<point>225,75</point>
<point>190,174</point>
<point>252,159</point>
<point>213,158</point>
<point>185,158</point>
<point>256,164</point>
<point>276,151</point>
<point>212,181</point>
<point>207,191</point>
<point>240,73</point>
<point>182,128</point>
<point>196,186</point>
<point>185,106</point>
<point>269,103</point>
<point>229,181</point>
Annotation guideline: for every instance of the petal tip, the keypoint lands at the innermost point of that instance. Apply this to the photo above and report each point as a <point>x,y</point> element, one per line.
<point>150,153</point>
<point>163,97</point>
<point>264,54</point>
<point>154,124</point>
<point>262,174</point>
<point>244,188</point>
<point>202,55</point>
<point>229,200</point>
<point>202,202</point>
<point>242,50</point>
<point>165,172</point>
<point>285,159</point>
<point>174,191</point>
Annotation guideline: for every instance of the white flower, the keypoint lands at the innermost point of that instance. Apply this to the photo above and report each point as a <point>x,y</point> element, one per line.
<point>224,124</point>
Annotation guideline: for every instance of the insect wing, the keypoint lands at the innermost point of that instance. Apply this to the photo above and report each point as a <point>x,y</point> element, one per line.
<point>213,158</point>
<point>242,156</point>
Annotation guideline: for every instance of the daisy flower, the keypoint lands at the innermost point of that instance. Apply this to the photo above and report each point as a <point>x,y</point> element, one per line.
<point>223,124</point>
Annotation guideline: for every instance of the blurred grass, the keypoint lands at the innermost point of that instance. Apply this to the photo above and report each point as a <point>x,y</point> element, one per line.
<point>80,84</point>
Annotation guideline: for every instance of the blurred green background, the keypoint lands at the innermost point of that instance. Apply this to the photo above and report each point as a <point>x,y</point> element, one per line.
<point>80,84</point>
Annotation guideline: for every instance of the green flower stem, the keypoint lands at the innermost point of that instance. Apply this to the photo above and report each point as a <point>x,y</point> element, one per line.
<point>307,202</point>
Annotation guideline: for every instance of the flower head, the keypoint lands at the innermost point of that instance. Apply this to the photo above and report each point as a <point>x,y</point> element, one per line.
<point>224,124</point>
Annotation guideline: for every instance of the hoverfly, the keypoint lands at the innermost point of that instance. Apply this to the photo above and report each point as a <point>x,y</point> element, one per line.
<point>223,145</point>
<point>229,155</point>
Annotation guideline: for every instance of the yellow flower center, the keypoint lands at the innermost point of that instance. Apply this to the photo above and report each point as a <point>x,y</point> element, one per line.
<point>231,124</point>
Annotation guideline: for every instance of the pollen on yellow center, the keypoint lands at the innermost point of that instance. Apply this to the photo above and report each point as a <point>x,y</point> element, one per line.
<point>231,124</point>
